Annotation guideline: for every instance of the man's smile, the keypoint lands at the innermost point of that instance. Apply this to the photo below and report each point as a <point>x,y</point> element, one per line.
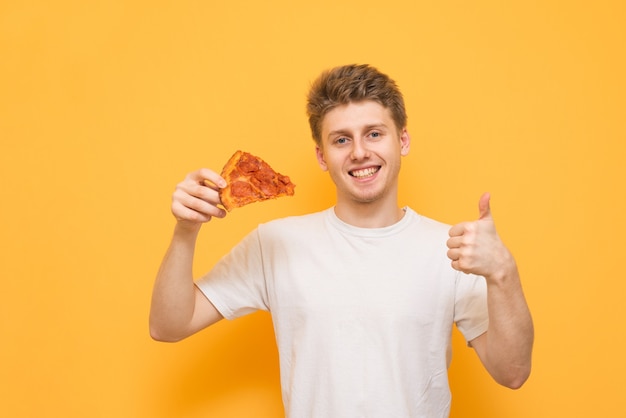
<point>364,172</point>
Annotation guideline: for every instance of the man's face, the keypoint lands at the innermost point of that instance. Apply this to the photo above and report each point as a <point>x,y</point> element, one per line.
<point>361,148</point>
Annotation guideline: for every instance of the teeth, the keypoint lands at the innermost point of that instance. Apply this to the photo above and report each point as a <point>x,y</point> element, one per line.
<point>364,172</point>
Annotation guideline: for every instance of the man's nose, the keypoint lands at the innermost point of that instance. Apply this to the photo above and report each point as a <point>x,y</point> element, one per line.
<point>359,149</point>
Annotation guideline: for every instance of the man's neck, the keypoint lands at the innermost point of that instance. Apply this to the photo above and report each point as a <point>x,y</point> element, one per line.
<point>369,215</point>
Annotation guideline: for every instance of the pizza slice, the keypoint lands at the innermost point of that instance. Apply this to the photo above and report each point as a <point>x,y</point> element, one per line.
<point>250,179</point>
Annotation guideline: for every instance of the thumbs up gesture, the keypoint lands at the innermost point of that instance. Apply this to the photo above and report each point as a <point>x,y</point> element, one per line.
<point>475,247</point>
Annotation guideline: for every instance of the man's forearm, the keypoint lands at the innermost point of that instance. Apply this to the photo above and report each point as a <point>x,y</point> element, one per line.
<point>173,297</point>
<point>510,336</point>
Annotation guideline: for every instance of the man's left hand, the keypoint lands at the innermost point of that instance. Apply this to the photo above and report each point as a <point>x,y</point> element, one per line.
<point>475,247</point>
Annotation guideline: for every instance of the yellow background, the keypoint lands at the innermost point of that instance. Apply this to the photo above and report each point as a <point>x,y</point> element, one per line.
<point>106,105</point>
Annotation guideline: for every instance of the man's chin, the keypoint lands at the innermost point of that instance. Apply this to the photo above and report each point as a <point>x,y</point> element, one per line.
<point>367,198</point>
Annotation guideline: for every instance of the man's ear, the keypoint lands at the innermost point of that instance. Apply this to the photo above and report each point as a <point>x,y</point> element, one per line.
<point>320,158</point>
<point>405,142</point>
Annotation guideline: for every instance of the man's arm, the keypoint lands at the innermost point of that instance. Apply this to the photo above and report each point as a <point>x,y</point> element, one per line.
<point>178,308</point>
<point>506,348</point>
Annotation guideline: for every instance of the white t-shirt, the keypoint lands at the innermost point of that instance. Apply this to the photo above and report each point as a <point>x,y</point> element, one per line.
<point>363,316</point>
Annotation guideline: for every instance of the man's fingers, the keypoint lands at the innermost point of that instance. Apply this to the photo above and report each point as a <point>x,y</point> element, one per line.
<point>484,209</point>
<point>455,242</point>
<point>209,178</point>
<point>454,253</point>
<point>185,213</point>
<point>196,198</point>
<point>455,265</point>
<point>458,229</point>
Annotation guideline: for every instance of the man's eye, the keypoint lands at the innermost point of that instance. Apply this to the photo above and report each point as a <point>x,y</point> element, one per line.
<point>375,134</point>
<point>341,140</point>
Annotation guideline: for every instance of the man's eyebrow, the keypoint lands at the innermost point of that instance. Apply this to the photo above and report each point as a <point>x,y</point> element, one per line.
<point>338,132</point>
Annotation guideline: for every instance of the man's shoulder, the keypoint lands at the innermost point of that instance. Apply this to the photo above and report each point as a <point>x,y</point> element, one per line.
<point>428,226</point>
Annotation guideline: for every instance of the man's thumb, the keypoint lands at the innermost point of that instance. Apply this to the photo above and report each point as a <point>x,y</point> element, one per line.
<point>484,210</point>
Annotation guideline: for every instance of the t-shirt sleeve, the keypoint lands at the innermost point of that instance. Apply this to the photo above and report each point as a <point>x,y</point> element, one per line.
<point>470,306</point>
<point>236,284</point>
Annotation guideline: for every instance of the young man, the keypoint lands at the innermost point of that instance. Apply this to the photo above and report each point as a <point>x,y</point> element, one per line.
<point>363,295</point>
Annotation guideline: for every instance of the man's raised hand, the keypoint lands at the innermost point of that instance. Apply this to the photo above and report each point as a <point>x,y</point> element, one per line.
<point>475,247</point>
<point>195,199</point>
